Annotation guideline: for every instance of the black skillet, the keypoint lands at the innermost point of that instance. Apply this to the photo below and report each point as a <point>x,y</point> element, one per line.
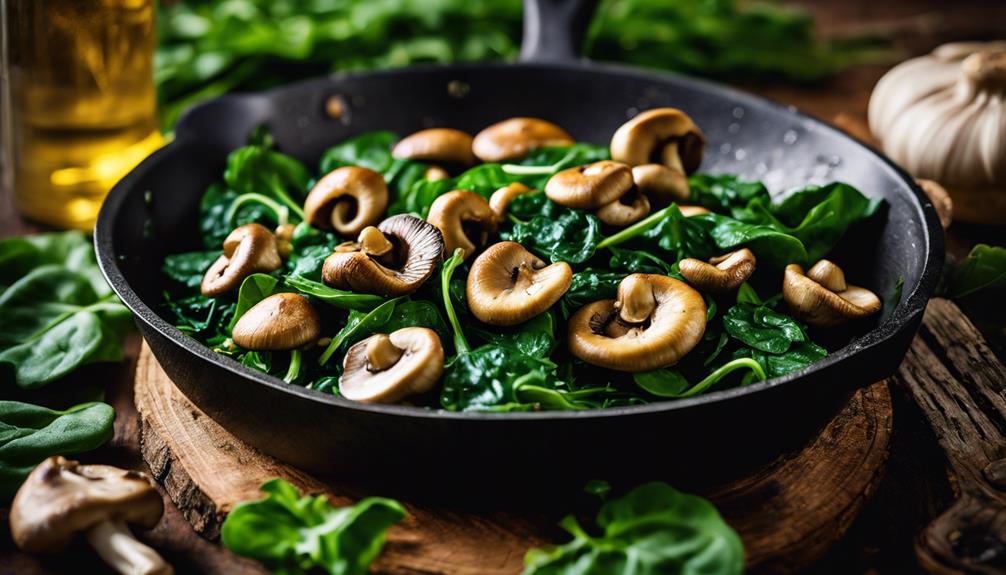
<point>152,212</point>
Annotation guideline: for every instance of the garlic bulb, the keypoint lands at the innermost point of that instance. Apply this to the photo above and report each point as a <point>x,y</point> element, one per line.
<point>943,117</point>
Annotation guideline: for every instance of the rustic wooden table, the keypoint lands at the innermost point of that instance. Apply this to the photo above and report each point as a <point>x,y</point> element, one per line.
<point>916,487</point>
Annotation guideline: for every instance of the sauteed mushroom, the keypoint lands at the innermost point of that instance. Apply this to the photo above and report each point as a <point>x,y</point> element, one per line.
<point>660,136</point>
<point>501,198</point>
<point>689,211</point>
<point>628,209</point>
<point>465,219</point>
<point>591,186</point>
<point>512,139</point>
<point>655,321</point>
<point>279,322</point>
<point>722,274</point>
<point>435,174</point>
<point>417,248</point>
<point>509,285</point>
<point>443,145</point>
<point>661,184</point>
<point>823,298</point>
<point>388,368</point>
<point>248,249</point>
<point>347,199</point>
<point>62,498</point>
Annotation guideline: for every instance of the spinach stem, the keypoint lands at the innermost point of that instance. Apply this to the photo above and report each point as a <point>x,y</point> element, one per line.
<point>723,371</point>
<point>460,343</point>
<point>642,226</point>
<point>282,212</point>
<point>286,199</point>
<point>294,370</point>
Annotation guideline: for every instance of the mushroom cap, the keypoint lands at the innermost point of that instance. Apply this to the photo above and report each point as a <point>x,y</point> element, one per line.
<point>512,139</point>
<point>465,219</point>
<point>61,498</point>
<point>816,304</point>
<point>622,213</point>
<point>418,248</point>
<point>591,186</point>
<point>248,249</point>
<point>642,140</point>
<point>278,322</point>
<point>389,368</point>
<point>501,198</point>
<point>722,274</point>
<point>509,285</point>
<point>444,145</point>
<point>661,184</point>
<point>347,199</point>
<point>655,321</point>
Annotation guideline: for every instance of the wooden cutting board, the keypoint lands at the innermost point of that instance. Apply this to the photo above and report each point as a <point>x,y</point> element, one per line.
<point>788,514</point>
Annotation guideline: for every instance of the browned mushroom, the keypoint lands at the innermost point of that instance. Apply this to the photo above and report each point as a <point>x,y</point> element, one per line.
<point>660,136</point>
<point>722,274</point>
<point>465,219</point>
<point>280,321</point>
<point>284,239</point>
<point>689,211</point>
<point>388,368</point>
<point>501,198</point>
<point>347,200</point>
<point>661,184</point>
<point>61,499</point>
<point>435,174</point>
<point>628,209</point>
<point>512,139</point>
<point>823,298</point>
<point>417,248</point>
<point>509,285</point>
<point>443,145</point>
<point>591,186</point>
<point>249,249</point>
<point>655,321</point>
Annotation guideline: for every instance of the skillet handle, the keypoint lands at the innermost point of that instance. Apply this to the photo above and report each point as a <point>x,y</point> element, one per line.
<point>554,29</point>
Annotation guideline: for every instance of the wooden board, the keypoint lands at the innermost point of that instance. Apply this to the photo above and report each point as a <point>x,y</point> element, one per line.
<point>787,514</point>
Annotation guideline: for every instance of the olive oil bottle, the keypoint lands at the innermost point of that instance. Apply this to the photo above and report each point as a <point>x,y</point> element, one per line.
<point>80,106</point>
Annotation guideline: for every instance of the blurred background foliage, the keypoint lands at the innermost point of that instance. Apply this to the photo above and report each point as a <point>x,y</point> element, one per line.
<point>211,47</point>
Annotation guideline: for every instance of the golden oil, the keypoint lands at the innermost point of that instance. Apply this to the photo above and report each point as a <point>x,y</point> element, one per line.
<point>81,102</point>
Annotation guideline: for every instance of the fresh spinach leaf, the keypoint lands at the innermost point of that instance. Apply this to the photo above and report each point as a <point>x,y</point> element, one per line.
<point>254,289</point>
<point>335,297</point>
<point>984,270</point>
<point>189,268</point>
<point>769,244</point>
<point>726,192</point>
<point>72,250</point>
<point>261,171</point>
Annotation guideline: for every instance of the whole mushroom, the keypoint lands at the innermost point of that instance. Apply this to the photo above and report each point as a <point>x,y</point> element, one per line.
<point>347,200</point>
<point>591,186</point>
<point>465,219</point>
<point>628,209</point>
<point>509,285</point>
<point>654,322</point>
<point>442,145</point>
<point>249,249</point>
<point>61,499</point>
<point>512,139</point>
<point>721,274</point>
<point>499,202</point>
<point>665,136</point>
<point>823,298</point>
<point>661,184</point>
<point>387,368</point>
<point>280,321</point>
<point>411,250</point>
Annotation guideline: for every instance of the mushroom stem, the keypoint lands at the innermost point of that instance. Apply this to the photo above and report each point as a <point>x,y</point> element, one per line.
<point>116,545</point>
<point>382,353</point>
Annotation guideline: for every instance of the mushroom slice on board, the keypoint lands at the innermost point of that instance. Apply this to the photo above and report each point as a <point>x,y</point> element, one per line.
<point>347,200</point>
<point>465,219</point>
<point>721,274</point>
<point>279,322</point>
<point>512,139</point>
<point>249,249</point>
<point>509,285</point>
<point>389,368</point>
<point>655,321</point>
<point>62,498</point>
<point>660,136</point>
<point>444,145</point>
<point>417,248</point>
<point>823,298</point>
<point>501,198</point>
<point>591,186</point>
<point>626,210</point>
<point>661,184</point>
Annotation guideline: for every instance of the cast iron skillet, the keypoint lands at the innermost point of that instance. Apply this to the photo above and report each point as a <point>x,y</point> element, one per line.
<point>152,212</point>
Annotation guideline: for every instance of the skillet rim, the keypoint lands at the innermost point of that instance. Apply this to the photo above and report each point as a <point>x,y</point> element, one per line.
<point>912,305</point>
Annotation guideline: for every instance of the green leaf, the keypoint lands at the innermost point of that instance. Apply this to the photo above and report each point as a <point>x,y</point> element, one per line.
<point>254,289</point>
<point>563,235</point>
<point>670,383</point>
<point>259,170</point>
<point>72,250</point>
<point>535,337</point>
<point>486,379</point>
<point>984,270</point>
<point>762,328</point>
<point>798,356</point>
<point>726,192</point>
<point>189,268</point>
<point>292,534</point>
<point>335,297</point>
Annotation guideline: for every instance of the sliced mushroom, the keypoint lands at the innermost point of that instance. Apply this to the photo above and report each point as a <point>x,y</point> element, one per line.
<point>389,368</point>
<point>443,145</point>
<point>501,198</point>
<point>249,249</point>
<point>418,247</point>
<point>62,498</point>
<point>661,184</point>
<point>509,285</point>
<point>626,210</point>
<point>512,139</point>
<point>655,321</point>
<point>278,322</point>
<point>722,274</point>
<point>591,186</point>
<point>660,136</point>
<point>465,220</point>
<point>823,298</point>
<point>347,199</point>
